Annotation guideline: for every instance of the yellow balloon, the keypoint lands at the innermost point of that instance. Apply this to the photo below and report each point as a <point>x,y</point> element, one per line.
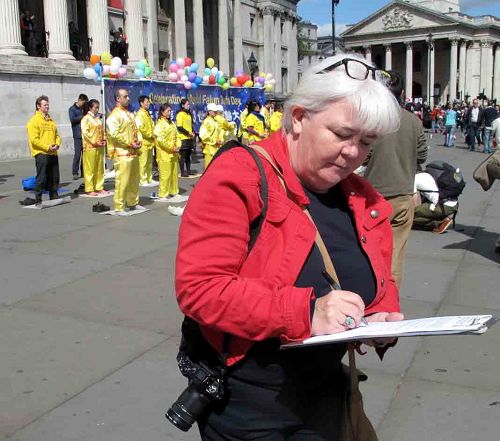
<point>248,83</point>
<point>225,86</point>
<point>106,58</point>
<point>268,88</point>
<point>210,62</point>
<point>145,62</point>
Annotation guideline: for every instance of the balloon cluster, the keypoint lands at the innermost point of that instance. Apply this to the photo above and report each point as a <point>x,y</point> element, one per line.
<point>104,65</point>
<point>142,69</point>
<point>184,71</point>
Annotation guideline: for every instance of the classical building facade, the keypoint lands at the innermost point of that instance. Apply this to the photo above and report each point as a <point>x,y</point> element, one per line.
<point>63,34</point>
<point>443,54</point>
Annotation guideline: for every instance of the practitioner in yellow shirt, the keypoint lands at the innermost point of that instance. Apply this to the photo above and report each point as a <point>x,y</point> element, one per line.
<point>44,142</point>
<point>123,147</point>
<point>184,122</point>
<point>226,129</point>
<point>167,153</point>
<point>146,127</point>
<point>242,133</point>
<point>209,134</point>
<point>255,123</point>
<point>267,111</point>
<point>93,149</point>
<point>276,118</point>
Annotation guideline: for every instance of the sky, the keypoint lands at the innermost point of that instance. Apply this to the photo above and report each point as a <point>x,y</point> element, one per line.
<point>352,11</point>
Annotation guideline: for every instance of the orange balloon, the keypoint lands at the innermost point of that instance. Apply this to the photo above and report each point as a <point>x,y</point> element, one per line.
<point>94,59</point>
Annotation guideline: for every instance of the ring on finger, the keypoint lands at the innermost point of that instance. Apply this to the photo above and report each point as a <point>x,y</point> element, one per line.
<point>349,322</point>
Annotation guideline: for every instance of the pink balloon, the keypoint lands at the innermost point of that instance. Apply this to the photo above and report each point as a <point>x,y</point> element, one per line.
<point>122,72</point>
<point>174,68</point>
<point>106,69</point>
<point>188,85</point>
<point>172,76</point>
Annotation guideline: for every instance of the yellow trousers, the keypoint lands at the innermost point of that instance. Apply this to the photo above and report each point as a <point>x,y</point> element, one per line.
<point>146,165</point>
<point>126,182</point>
<point>209,151</point>
<point>93,169</point>
<point>168,166</point>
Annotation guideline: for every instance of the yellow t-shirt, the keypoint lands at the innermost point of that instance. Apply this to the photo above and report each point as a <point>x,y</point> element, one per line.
<point>92,132</point>
<point>121,133</point>
<point>42,133</point>
<point>258,125</point>
<point>184,120</point>
<point>276,121</point>
<point>145,127</point>
<point>167,138</point>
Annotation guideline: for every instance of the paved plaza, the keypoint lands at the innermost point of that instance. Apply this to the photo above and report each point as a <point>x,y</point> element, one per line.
<point>89,324</point>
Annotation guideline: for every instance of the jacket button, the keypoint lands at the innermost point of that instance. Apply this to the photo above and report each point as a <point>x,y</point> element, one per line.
<point>382,282</point>
<point>374,214</point>
<point>363,238</point>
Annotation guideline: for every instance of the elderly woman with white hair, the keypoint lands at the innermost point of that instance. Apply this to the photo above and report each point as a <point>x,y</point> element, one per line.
<point>250,293</point>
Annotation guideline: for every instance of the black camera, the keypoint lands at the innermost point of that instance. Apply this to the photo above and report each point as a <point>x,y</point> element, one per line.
<point>206,384</point>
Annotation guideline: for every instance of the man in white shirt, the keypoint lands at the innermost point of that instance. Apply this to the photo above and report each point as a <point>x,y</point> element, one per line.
<point>474,119</point>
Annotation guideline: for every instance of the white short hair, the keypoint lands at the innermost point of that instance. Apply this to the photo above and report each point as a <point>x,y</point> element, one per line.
<point>376,108</point>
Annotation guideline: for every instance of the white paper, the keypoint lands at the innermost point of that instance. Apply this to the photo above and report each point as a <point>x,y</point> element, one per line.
<point>475,324</point>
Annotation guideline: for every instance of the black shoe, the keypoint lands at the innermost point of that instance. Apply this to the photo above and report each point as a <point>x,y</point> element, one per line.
<point>184,175</point>
<point>100,208</point>
<point>54,195</point>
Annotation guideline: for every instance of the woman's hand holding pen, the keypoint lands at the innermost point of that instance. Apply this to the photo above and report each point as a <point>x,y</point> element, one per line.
<point>331,311</point>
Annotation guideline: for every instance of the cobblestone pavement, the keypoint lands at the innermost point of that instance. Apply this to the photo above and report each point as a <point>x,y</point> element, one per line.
<point>89,324</point>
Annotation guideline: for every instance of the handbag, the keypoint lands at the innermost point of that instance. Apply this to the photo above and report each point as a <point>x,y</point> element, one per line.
<point>355,425</point>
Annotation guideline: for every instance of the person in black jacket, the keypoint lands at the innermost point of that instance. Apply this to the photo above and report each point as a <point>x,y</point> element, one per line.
<point>490,115</point>
<point>75,116</point>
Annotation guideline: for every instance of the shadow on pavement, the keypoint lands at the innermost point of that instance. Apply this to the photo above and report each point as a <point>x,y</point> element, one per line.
<point>481,242</point>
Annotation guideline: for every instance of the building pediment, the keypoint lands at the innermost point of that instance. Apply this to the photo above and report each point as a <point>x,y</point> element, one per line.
<point>398,16</point>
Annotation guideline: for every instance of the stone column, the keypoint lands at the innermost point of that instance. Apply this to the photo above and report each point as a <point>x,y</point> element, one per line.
<point>462,65</point>
<point>153,49</point>
<point>133,30</point>
<point>237,38</point>
<point>368,53</point>
<point>453,69</point>
<point>409,70</point>
<point>10,29</point>
<point>223,37</point>
<point>199,33</point>
<point>277,52</point>
<point>180,30</point>
<point>56,23</point>
<point>388,56</point>
<point>98,27</point>
<point>293,55</point>
<point>267,12</point>
<point>486,80</point>
<point>496,74</point>
<point>430,75</point>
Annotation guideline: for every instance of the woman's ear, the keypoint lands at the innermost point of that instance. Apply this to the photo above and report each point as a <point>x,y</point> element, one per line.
<point>298,114</point>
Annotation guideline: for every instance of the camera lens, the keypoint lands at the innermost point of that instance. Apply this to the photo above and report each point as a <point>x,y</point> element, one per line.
<point>188,408</point>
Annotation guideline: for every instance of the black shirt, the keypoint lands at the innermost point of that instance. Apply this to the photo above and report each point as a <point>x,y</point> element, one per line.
<point>264,363</point>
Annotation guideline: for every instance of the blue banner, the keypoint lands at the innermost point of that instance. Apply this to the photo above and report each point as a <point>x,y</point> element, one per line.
<point>159,92</point>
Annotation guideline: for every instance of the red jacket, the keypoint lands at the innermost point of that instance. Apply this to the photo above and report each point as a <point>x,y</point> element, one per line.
<point>253,297</point>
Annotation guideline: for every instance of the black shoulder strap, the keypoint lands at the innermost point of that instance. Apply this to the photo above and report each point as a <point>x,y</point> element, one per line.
<point>256,224</point>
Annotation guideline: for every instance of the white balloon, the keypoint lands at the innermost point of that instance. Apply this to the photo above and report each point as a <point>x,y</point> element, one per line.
<point>205,79</point>
<point>184,78</point>
<point>90,73</point>
<point>116,61</point>
<point>214,70</point>
<point>269,76</point>
<point>114,69</point>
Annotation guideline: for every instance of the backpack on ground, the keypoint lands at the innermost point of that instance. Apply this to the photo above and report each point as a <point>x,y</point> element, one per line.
<point>449,179</point>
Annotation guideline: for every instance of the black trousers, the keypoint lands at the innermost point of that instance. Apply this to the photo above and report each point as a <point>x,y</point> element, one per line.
<point>77,158</point>
<point>301,409</point>
<point>185,156</point>
<point>47,175</point>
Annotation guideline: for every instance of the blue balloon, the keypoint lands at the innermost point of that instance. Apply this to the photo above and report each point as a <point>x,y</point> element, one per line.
<point>208,71</point>
<point>217,76</point>
<point>194,86</point>
<point>194,67</point>
<point>198,81</point>
<point>98,69</point>
<point>173,62</point>
<point>139,73</point>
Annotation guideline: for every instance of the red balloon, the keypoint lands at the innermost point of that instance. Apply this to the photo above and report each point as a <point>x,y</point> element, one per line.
<point>211,79</point>
<point>240,79</point>
<point>187,62</point>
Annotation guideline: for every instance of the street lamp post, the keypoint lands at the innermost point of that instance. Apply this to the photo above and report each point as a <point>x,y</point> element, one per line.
<point>252,65</point>
<point>430,87</point>
<point>334,3</point>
